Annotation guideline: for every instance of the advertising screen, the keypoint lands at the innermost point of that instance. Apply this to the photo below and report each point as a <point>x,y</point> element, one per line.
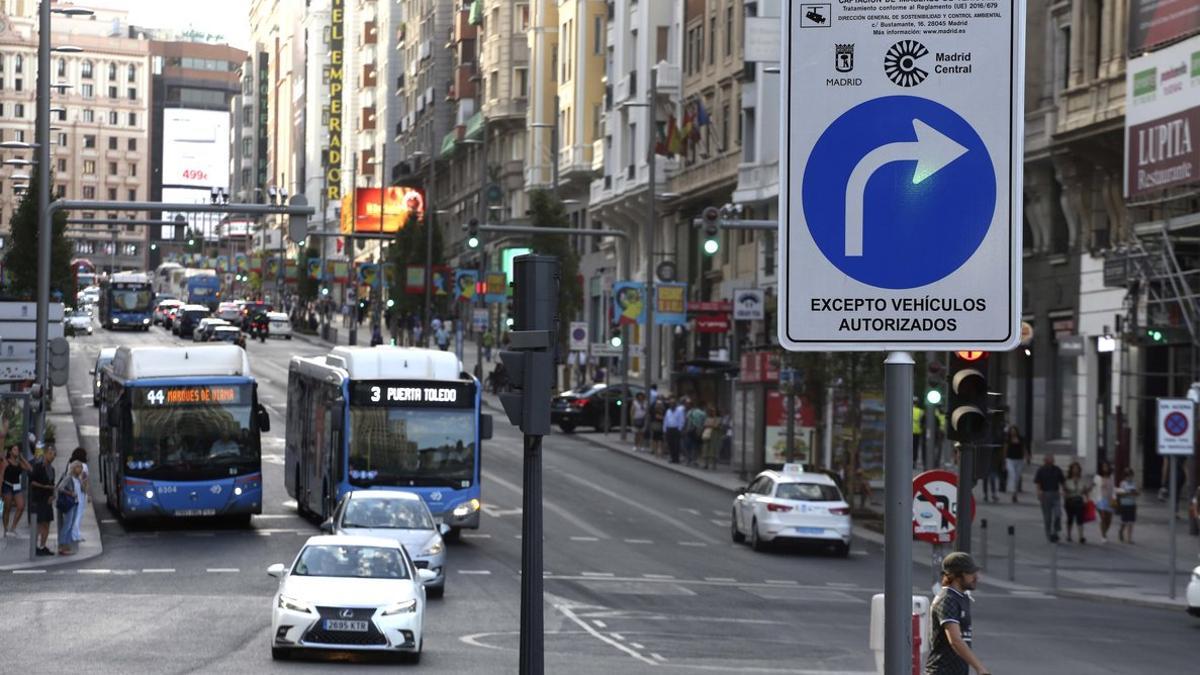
<point>195,148</point>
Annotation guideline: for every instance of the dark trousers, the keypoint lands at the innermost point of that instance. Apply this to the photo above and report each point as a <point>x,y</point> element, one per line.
<point>919,450</point>
<point>673,437</point>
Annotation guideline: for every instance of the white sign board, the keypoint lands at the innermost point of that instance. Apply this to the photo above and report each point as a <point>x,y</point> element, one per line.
<point>579,336</point>
<point>1162,113</point>
<point>195,148</point>
<point>748,305</point>
<point>901,209</point>
<point>1176,433</point>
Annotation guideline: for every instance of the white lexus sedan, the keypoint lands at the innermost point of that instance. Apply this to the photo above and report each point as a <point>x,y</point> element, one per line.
<point>347,593</point>
<point>793,505</point>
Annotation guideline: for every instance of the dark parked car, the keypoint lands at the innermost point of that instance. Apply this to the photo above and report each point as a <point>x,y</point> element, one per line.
<point>584,406</point>
<point>187,319</point>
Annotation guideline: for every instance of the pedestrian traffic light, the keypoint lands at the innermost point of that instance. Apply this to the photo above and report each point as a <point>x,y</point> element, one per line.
<point>712,231</point>
<point>968,396</point>
<point>473,233</point>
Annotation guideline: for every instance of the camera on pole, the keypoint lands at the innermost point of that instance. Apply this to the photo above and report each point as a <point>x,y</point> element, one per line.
<point>968,404</point>
<point>530,360</point>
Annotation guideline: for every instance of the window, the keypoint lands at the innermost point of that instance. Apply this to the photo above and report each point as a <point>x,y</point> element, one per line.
<point>61,67</point>
<point>112,194</point>
<point>62,139</point>
<point>520,82</point>
<point>89,141</point>
<point>61,165</point>
<point>61,115</point>
<point>89,192</point>
<point>60,190</point>
<point>19,135</point>
<point>132,92</point>
<point>112,72</point>
<point>521,18</point>
<point>729,30</point>
<point>19,110</point>
<point>18,64</point>
<point>19,84</point>
<point>133,169</point>
<point>85,70</point>
<point>112,92</point>
<point>87,90</point>
<point>597,35</point>
<point>132,119</point>
<point>248,116</point>
<point>133,144</point>
<point>112,142</point>
<point>132,195</point>
<point>112,168</point>
<point>247,148</point>
<point>1062,408</point>
<point>131,73</point>
<point>712,39</point>
<point>113,116</point>
<point>89,167</point>
<point>747,136</point>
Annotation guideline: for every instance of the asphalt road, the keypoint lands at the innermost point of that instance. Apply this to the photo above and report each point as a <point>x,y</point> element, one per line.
<point>640,577</point>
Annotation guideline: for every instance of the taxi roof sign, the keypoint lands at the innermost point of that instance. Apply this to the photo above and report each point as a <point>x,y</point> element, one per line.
<point>793,469</point>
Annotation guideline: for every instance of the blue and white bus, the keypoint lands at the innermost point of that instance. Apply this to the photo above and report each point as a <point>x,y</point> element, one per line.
<point>202,287</point>
<point>126,301</point>
<point>179,433</point>
<point>385,417</point>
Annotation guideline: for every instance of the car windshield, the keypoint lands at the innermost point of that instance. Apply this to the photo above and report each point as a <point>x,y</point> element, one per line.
<point>808,492</point>
<point>388,514</point>
<point>368,562</point>
<point>412,446</point>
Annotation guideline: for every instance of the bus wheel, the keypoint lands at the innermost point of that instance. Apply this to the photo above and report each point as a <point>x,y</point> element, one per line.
<point>241,520</point>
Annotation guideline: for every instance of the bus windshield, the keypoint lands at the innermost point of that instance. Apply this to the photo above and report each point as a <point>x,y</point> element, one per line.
<point>195,442</point>
<point>131,298</point>
<point>412,447</point>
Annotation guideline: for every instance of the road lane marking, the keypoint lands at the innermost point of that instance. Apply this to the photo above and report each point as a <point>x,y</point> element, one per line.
<point>158,570</point>
<point>199,534</point>
<point>223,570</point>
<point>638,541</point>
<point>29,571</point>
<point>94,571</point>
<point>641,507</point>
<point>599,624</point>
<point>784,582</point>
<point>694,512</point>
<point>658,657</point>
<point>585,539</point>
<point>474,535</point>
<point>719,522</point>
<point>276,516</point>
<point>601,575</point>
<point>728,580</point>
<point>550,506</point>
<point>617,636</point>
<point>637,645</point>
<point>658,576</point>
<point>568,612</point>
<point>476,572</point>
<point>692,543</point>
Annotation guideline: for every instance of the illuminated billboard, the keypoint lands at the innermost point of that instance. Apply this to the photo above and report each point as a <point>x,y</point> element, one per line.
<point>195,148</point>
<point>381,210</point>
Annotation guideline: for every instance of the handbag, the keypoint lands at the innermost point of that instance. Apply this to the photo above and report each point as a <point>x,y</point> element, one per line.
<point>1089,511</point>
<point>65,501</point>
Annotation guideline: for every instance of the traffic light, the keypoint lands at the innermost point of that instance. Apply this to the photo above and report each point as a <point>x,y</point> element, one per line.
<point>473,233</point>
<point>712,230</point>
<point>936,381</point>
<point>968,406</point>
<point>530,359</point>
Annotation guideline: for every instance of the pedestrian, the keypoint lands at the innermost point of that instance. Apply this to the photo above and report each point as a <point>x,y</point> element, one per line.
<point>694,432</point>
<point>489,341</point>
<point>1106,498</point>
<point>658,414</point>
<point>711,438</point>
<point>442,336</point>
<point>1014,458</point>
<point>1075,496</point>
<point>653,394</point>
<point>950,650</point>
<point>41,496</point>
<point>1127,494</point>
<point>1049,480</point>
<point>673,423</point>
<point>993,462</point>
<point>13,466</point>
<point>69,501</point>
<point>376,336</point>
<point>918,432</point>
<point>639,421</point>
<point>80,455</point>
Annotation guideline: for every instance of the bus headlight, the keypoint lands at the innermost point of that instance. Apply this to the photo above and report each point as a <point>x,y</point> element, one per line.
<point>116,320</point>
<point>149,494</point>
<point>145,322</point>
<point>466,508</point>
<point>237,491</point>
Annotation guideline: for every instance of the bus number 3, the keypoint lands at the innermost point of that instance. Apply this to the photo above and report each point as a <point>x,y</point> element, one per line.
<point>375,394</point>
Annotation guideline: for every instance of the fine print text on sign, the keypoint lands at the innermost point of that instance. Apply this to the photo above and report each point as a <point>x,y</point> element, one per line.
<point>901,217</point>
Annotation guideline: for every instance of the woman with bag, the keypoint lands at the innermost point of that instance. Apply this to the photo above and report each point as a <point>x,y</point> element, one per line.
<point>85,495</point>
<point>67,501</point>
<point>639,421</point>
<point>1106,498</point>
<point>711,437</point>
<point>658,414</point>
<point>12,466</point>
<point>1075,494</point>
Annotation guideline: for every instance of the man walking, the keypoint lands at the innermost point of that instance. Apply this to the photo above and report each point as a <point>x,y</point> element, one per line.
<point>41,480</point>
<point>950,647</point>
<point>693,432</point>
<point>673,428</point>
<point>1049,480</point>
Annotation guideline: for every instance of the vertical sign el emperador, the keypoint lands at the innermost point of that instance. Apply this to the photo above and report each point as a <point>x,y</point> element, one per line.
<point>902,126</point>
<point>333,153</point>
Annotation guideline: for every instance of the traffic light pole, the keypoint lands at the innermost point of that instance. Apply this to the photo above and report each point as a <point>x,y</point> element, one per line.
<point>966,483</point>
<point>897,512</point>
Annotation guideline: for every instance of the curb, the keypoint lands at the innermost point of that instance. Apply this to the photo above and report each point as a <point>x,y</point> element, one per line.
<point>1180,605</point>
<point>650,460</point>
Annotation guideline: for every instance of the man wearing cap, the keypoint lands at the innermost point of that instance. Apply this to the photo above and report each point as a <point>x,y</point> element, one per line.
<point>950,648</point>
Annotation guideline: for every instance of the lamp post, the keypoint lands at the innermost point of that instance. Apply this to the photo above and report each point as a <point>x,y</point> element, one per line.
<point>42,142</point>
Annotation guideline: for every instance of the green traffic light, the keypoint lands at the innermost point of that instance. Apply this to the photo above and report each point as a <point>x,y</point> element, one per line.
<point>933,397</point>
<point>711,246</point>
<point>1155,335</point>
<point>391,303</point>
<point>615,341</point>
<point>473,242</point>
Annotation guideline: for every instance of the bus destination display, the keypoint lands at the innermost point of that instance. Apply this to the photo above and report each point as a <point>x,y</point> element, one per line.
<point>413,393</point>
<point>206,394</point>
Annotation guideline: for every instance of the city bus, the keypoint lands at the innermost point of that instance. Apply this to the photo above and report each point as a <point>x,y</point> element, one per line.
<point>388,418</point>
<point>179,433</point>
<point>126,301</point>
<point>201,287</point>
<point>162,279</point>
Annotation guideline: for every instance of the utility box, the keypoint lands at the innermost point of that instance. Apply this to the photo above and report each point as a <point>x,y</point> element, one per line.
<point>920,612</point>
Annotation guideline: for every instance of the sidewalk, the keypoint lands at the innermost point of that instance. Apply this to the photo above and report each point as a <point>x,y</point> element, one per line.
<point>14,551</point>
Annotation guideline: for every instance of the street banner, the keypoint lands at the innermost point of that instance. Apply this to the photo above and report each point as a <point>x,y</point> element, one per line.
<point>414,279</point>
<point>628,305</point>
<point>222,263</point>
<point>901,170</point>
<point>775,429</point>
<point>1162,111</point>
<point>442,278</point>
<point>578,336</point>
<point>256,263</point>
<point>291,272</point>
<point>273,267</point>
<point>1176,431</point>
<point>368,274</point>
<point>497,287</point>
<point>671,307</point>
<point>242,262</point>
<point>314,269</point>
<point>338,271</point>
<point>464,284</point>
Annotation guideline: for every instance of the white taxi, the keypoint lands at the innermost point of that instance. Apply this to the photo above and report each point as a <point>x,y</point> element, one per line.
<point>792,505</point>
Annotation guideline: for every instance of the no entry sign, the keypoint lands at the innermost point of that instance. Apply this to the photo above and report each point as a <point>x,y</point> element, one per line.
<point>935,507</point>
<point>1176,434</point>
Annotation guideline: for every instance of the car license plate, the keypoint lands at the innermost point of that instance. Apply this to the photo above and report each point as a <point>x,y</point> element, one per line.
<point>344,625</point>
<point>195,512</point>
<point>810,530</point>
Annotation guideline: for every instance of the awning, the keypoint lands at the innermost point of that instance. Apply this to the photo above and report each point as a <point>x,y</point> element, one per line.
<point>449,143</point>
<point>475,126</point>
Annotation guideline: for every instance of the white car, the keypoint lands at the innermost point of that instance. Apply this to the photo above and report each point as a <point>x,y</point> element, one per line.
<point>203,329</point>
<point>349,593</point>
<point>402,516</point>
<point>79,322</point>
<point>280,325</point>
<point>1193,593</point>
<point>230,311</point>
<point>792,505</point>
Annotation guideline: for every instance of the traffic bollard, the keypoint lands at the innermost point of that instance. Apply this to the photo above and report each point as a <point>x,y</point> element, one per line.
<point>1012,553</point>
<point>1054,566</point>
<point>983,542</point>
<point>916,642</point>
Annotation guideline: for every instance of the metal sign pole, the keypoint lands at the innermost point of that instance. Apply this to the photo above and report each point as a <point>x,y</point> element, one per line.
<point>898,381</point>
<point>1171,524</point>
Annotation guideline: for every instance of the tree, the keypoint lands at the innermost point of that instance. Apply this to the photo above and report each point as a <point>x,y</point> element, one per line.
<point>21,260</point>
<point>408,248</point>
<point>546,210</point>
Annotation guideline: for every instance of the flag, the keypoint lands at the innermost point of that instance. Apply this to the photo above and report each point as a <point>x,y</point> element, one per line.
<point>314,268</point>
<point>661,139</point>
<point>702,118</point>
<point>675,139</point>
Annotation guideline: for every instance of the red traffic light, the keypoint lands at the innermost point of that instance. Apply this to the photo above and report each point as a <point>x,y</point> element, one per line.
<point>970,355</point>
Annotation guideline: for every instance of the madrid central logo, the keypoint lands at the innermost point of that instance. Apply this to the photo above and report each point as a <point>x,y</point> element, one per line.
<point>900,63</point>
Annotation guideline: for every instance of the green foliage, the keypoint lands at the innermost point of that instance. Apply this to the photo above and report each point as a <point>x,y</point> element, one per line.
<point>408,248</point>
<point>21,260</point>
<point>307,287</point>
<point>546,210</point>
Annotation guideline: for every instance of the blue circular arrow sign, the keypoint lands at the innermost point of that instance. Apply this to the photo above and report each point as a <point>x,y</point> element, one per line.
<point>899,192</point>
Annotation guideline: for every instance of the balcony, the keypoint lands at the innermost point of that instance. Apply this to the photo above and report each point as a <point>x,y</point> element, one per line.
<point>626,89</point>
<point>464,81</point>
<point>463,30</point>
<point>368,119</point>
<point>425,50</point>
<point>577,159</point>
<point>598,155</point>
<point>368,78</point>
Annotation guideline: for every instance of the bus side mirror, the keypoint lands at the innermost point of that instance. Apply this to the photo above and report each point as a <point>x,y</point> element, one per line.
<point>264,420</point>
<point>485,427</point>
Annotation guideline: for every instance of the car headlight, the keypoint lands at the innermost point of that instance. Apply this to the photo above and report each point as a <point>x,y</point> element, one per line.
<point>404,607</point>
<point>466,508</point>
<point>435,548</point>
<point>116,320</point>
<point>286,602</point>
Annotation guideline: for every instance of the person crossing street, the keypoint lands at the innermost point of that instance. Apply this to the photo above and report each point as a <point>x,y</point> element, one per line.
<point>950,651</point>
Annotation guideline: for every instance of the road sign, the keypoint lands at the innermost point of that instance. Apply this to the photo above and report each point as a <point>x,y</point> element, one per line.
<point>935,503</point>
<point>748,304</point>
<point>1176,433</point>
<point>603,349</point>
<point>901,222</point>
<point>579,336</point>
